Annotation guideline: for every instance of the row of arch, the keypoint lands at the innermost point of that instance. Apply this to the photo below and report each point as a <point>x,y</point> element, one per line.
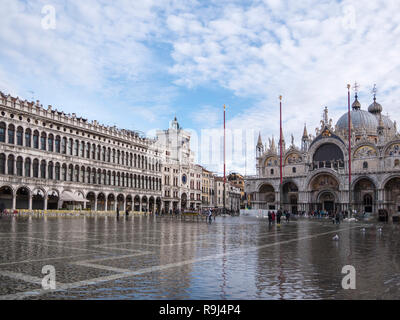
<point>50,170</point>
<point>74,147</point>
<point>23,197</point>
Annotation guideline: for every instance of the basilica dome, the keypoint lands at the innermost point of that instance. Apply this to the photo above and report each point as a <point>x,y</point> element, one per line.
<point>360,119</point>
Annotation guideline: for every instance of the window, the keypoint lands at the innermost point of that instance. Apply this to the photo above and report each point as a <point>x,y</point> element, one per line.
<point>71,142</point>
<point>20,136</point>
<point>36,139</point>
<point>76,148</point>
<point>27,167</point>
<point>28,135</point>
<point>11,133</point>
<point>57,171</point>
<point>2,132</point>
<point>50,142</point>
<point>272,171</point>
<point>19,166</point>
<point>58,144</point>
<point>365,165</point>
<point>50,171</point>
<point>64,145</point>
<point>294,169</point>
<point>43,141</point>
<point>35,167</point>
<point>397,163</point>
<point>2,163</point>
<point>43,169</point>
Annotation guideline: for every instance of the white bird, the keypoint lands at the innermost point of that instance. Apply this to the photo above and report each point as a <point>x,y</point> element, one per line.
<point>363,229</point>
<point>336,238</point>
<point>380,230</point>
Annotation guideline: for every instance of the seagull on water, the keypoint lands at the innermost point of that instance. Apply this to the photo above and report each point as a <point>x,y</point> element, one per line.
<point>363,229</point>
<point>336,238</point>
<point>380,230</point>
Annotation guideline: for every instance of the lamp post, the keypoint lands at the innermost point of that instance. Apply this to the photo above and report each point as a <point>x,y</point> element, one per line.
<point>280,155</point>
<point>349,129</point>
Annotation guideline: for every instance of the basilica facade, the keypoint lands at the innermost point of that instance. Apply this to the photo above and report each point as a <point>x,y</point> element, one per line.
<point>316,174</point>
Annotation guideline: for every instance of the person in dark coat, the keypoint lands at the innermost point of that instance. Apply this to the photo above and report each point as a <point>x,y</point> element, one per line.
<point>117,212</point>
<point>278,217</point>
<point>269,218</point>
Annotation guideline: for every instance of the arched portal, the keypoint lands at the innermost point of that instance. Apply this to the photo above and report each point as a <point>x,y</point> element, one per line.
<point>38,199</point>
<point>392,195</point>
<point>22,198</point>
<point>183,201</point>
<point>120,202</point>
<point>290,196</point>
<point>364,196</point>
<point>91,197</point>
<point>144,204</point>
<point>158,205</point>
<point>129,202</point>
<point>266,197</point>
<point>136,203</point>
<point>6,198</point>
<point>151,204</point>
<point>324,193</point>
<point>110,202</point>
<point>101,202</point>
<point>52,200</point>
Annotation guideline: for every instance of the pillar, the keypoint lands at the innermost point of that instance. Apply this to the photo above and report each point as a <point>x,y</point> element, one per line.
<point>30,201</point>
<point>95,203</point>
<point>14,200</point>
<point>45,202</point>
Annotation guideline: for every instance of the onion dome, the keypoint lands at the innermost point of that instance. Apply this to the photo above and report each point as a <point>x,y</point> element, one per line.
<point>356,104</point>
<point>375,107</point>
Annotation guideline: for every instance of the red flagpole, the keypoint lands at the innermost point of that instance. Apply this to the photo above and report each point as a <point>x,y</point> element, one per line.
<point>349,120</point>
<point>224,164</point>
<point>280,140</point>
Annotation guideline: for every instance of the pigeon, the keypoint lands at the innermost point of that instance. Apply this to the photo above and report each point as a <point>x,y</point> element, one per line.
<point>336,238</point>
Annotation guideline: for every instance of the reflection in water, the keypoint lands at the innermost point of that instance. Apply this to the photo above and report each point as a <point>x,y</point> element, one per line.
<point>232,258</point>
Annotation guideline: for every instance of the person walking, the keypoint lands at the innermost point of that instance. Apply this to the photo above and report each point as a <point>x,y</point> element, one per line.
<point>287,216</point>
<point>269,218</point>
<point>209,216</point>
<point>337,218</point>
<point>278,217</point>
<point>127,213</point>
<point>117,212</point>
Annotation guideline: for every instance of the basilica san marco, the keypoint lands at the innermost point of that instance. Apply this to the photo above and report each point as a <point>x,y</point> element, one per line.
<point>316,175</point>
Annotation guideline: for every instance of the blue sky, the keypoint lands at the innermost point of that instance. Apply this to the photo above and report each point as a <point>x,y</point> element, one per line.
<point>137,64</point>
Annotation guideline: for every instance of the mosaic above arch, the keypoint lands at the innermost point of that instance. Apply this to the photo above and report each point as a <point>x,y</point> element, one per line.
<point>393,150</point>
<point>271,161</point>
<point>324,181</point>
<point>293,158</point>
<point>365,152</point>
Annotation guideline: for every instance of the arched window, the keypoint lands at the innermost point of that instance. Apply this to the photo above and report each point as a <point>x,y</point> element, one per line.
<point>98,152</point>
<point>70,144</point>
<point>104,154</point>
<point>82,148</point>
<point>70,173</point>
<point>64,145</point>
<point>11,133</point>
<point>99,176</point>
<point>20,136</point>
<point>50,171</point>
<point>76,174</point>
<point>367,200</point>
<point>57,171</point>
<point>93,151</point>
<point>272,171</point>
<point>64,172</point>
<point>94,175</point>
<point>19,166</point>
<point>43,169</point>
<point>2,132</point>
<point>82,174</point>
<point>397,163</point>
<point>27,167</point>
<point>50,142</point>
<point>58,144</point>
<point>365,165</point>
<point>88,150</point>
<point>35,167</point>
<point>113,155</point>
<point>108,155</point>
<point>118,156</point>
<point>10,164</point>
<point>294,169</point>
<point>36,139</point>
<point>28,137</point>
<point>43,141</point>
<point>2,163</point>
<point>76,148</point>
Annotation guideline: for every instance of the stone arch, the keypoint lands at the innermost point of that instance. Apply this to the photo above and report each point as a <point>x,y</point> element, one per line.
<point>120,201</point>
<point>22,196</point>
<point>136,203</point>
<point>53,197</point>
<point>110,202</point>
<point>101,201</point>
<point>290,196</point>
<point>145,204</point>
<point>38,199</point>
<point>91,197</point>
<point>266,197</point>
<point>391,189</point>
<point>6,197</point>
<point>129,202</point>
<point>323,190</point>
<point>151,204</point>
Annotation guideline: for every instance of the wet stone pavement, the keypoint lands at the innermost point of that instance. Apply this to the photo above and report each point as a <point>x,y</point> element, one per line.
<point>162,258</point>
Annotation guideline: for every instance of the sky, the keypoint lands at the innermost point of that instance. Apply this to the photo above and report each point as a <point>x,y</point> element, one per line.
<point>138,64</point>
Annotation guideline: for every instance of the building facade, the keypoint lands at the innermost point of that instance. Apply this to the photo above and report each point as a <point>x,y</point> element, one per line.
<point>232,195</point>
<point>51,160</point>
<point>182,178</point>
<point>316,175</point>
